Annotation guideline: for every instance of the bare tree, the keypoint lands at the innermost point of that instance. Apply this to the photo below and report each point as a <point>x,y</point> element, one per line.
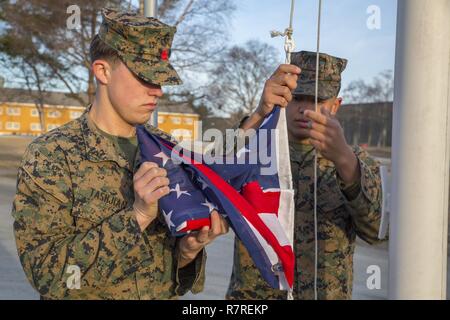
<point>380,89</point>
<point>201,32</point>
<point>25,61</point>
<point>62,51</point>
<point>240,77</point>
<point>370,118</point>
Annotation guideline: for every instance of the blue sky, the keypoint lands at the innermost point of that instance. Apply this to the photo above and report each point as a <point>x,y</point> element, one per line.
<point>344,31</point>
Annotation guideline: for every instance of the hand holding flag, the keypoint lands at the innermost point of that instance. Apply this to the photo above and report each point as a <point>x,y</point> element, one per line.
<point>150,183</point>
<point>192,243</point>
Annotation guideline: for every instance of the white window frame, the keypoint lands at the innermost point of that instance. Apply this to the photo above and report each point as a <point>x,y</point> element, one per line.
<point>13,111</point>
<point>33,126</point>
<point>12,125</point>
<point>34,112</point>
<point>175,120</point>
<point>75,114</point>
<point>52,126</point>
<point>54,114</point>
<point>182,134</point>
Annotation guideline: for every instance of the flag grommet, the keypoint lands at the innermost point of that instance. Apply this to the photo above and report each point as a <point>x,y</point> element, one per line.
<point>277,268</point>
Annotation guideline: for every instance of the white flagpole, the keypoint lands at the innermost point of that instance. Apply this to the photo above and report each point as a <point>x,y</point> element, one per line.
<point>151,10</point>
<point>421,146</point>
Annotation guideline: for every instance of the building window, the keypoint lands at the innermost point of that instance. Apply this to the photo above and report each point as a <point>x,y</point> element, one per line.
<point>13,111</point>
<point>35,126</point>
<point>1,111</point>
<point>34,112</point>
<point>54,114</point>
<point>189,121</point>
<point>181,134</point>
<point>160,119</point>
<point>75,114</point>
<point>52,126</point>
<point>12,126</point>
<point>176,120</point>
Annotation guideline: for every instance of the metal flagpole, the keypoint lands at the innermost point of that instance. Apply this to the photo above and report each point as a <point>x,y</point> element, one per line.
<point>151,10</point>
<point>283,162</point>
<point>316,103</point>
<point>420,152</point>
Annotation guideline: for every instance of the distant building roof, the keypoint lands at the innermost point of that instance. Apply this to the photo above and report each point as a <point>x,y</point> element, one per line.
<point>50,97</point>
<point>65,99</point>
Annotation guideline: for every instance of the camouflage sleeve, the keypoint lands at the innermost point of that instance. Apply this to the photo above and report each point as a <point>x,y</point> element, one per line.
<point>191,277</point>
<point>246,282</point>
<point>47,241</point>
<point>364,198</point>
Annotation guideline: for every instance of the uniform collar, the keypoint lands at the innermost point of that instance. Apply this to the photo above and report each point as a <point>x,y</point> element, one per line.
<point>300,151</point>
<point>98,147</point>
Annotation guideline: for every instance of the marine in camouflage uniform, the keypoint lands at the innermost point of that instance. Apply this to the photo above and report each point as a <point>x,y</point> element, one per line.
<point>73,205</point>
<point>343,211</point>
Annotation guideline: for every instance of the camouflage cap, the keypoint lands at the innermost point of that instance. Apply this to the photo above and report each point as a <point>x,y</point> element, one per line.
<point>330,69</point>
<point>143,44</point>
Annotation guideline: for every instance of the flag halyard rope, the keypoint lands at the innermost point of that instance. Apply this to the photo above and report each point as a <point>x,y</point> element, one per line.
<point>289,47</point>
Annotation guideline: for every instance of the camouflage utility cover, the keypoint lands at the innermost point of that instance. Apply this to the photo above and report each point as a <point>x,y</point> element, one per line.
<point>330,69</point>
<point>143,44</point>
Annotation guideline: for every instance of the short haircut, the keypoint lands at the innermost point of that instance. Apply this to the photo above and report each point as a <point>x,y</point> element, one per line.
<point>100,50</point>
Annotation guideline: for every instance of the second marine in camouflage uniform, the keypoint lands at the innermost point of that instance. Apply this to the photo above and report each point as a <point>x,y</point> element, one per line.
<point>343,211</point>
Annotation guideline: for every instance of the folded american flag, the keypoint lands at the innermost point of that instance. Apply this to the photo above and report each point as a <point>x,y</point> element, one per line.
<point>244,190</point>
